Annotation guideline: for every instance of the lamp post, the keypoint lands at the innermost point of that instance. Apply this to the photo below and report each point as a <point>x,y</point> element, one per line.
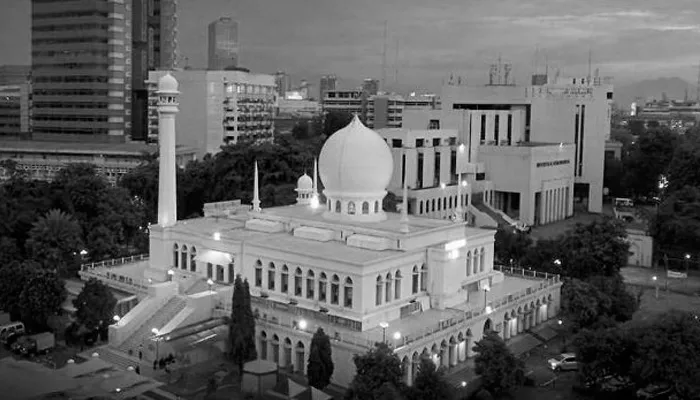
<point>656,287</point>
<point>384,325</point>
<point>687,264</point>
<point>486,293</point>
<point>155,333</point>
<point>170,275</point>
<point>116,319</point>
<point>210,283</point>
<point>397,337</point>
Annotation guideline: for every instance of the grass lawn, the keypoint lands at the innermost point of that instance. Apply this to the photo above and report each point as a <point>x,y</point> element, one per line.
<point>191,382</point>
<point>651,306</point>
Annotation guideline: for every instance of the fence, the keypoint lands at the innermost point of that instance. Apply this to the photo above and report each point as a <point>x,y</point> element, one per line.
<point>115,262</point>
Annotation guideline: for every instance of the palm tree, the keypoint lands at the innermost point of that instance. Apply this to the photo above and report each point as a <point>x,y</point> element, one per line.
<point>54,241</point>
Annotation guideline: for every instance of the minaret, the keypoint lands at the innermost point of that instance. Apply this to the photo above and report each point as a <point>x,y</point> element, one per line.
<point>256,196</point>
<point>404,208</point>
<point>315,192</point>
<point>167,189</point>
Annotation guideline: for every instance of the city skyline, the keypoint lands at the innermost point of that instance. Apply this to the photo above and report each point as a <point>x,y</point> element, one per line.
<point>637,40</point>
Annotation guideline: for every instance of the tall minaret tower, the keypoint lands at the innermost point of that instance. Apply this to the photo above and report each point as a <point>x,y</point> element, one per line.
<point>167,189</point>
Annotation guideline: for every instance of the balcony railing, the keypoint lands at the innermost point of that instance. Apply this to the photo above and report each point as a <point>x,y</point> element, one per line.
<point>115,262</point>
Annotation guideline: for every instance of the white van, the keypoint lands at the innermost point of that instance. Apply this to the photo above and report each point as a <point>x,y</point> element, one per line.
<point>13,328</point>
<point>623,202</point>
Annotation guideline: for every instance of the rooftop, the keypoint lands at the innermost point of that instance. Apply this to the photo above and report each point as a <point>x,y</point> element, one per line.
<point>36,146</point>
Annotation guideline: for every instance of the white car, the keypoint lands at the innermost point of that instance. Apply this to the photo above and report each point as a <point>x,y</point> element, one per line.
<point>563,362</point>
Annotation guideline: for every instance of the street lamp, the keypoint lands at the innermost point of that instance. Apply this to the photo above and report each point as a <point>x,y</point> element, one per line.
<point>83,252</point>
<point>116,319</point>
<point>486,293</point>
<point>557,262</point>
<point>687,263</point>
<point>155,333</point>
<point>210,283</point>
<point>170,274</point>
<point>302,324</point>
<point>384,325</point>
<point>656,287</point>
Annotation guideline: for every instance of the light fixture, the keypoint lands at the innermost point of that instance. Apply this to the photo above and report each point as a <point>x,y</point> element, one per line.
<point>314,202</point>
<point>210,283</point>
<point>83,252</point>
<point>442,185</point>
<point>217,236</point>
<point>154,331</point>
<point>462,147</point>
<point>464,384</point>
<point>397,335</point>
<point>384,325</point>
<point>302,324</point>
<point>653,278</point>
<point>116,318</point>
<point>687,256</point>
<point>464,183</point>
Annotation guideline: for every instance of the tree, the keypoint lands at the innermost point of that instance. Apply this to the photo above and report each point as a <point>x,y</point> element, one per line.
<point>430,383</point>
<point>684,168</point>
<point>374,369</point>
<point>511,245</point>
<point>14,277</point>
<point>676,226</point>
<point>320,367</point>
<point>649,158</point>
<point>335,121</point>
<point>543,256</point>
<point>55,240</point>
<point>499,369</point>
<point>95,304</point>
<point>602,353</point>
<point>613,174</point>
<point>241,326</point>
<point>41,298</point>
<point>391,202</point>
<point>597,248</point>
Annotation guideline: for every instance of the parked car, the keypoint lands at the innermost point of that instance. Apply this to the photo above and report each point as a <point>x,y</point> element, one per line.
<point>563,362</point>
<point>607,387</point>
<point>661,391</point>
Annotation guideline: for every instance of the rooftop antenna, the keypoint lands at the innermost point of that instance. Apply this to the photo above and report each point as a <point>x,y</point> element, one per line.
<point>697,93</point>
<point>500,69</point>
<point>537,59</point>
<point>546,65</point>
<point>386,28</point>
<point>256,197</point>
<point>590,61</point>
<point>396,65</point>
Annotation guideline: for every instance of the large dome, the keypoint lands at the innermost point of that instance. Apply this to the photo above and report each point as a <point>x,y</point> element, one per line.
<point>305,182</point>
<point>355,161</point>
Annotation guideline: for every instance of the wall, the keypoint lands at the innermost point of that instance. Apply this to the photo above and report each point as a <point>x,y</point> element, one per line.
<point>641,248</point>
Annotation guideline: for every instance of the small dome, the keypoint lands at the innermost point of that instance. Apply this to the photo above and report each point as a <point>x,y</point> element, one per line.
<point>305,182</point>
<point>167,83</point>
<point>356,161</point>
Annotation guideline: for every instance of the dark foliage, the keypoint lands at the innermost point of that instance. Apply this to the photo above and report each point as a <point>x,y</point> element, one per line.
<point>320,368</point>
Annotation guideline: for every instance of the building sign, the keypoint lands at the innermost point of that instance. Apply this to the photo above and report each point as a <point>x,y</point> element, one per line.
<point>574,92</point>
<point>552,163</point>
<point>676,274</point>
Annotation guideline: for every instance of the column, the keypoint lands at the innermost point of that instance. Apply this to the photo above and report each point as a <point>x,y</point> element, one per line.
<point>514,327</point>
<point>520,323</point>
<point>506,329</point>
<point>550,314</point>
<point>453,355</point>
<point>445,356</point>
<point>562,207</point>
<point>532,318</point>
<point>543,202</point>
<point>463,351</point>
<point>556,205</point>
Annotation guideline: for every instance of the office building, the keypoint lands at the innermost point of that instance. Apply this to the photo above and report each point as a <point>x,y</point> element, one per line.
<point>299,108</point>
<point>15,109</point>
<point>573,111</point>
<point>283,83</point>
<point>219,107</point>
<point>223,44</point>
<point>328,82</point>
<point>154,41</point>
<point>81,67</point>
<point>384,111</point>
<point>15,74</point>
<point>370,86</point>
<point>426,287</point>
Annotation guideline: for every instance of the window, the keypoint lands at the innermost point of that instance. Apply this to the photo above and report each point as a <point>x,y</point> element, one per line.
<point>230,273</point>
<point>475,262</point>
<point>436,169</point>
<point>416,279</point>
<point>434,124</point>
<point>483,129</point>
<point>380,287</point>
<point>453,166</point>
<point>387,291</point>
<point>365,207</point>
<point>496,127</point>
<point>322,282</point>
<point>419,142</point>
<point>482,256</point>
<point>436,141</point>
<point>376,207</point>
<point>337,206</point>
<point>396,143</point>
<point>193,262</point>
<point>210,270</point>
<point>510,129</point>
<point>219,273</point>
<point>351,208</point>
<point>335,290</point>
<point>423,278</point>
<point>469,263</point>
<point>176,256</point>
<point>297,282</point>
<point>397,285</point>
<point>419,178</point>
<point>271,276</point>
<point>284,279</point>
<point>348,293</point>
<point>310,284</point>
<point>258,274</point>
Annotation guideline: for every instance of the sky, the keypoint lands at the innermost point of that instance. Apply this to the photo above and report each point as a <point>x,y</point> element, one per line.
<point>629,39</point>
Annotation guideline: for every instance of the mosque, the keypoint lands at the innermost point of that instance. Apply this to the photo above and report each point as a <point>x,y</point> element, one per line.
<point>426,287</point>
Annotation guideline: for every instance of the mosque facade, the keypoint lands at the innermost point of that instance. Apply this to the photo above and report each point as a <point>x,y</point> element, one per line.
<point>335,260</point>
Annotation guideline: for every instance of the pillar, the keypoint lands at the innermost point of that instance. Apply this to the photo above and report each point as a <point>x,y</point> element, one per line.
<point>550,312</point>
<point>445,356</point>
<point>453,355</point>
<point>506,329</point>
<point>520,324</point>
<point>167,186</point>
<point>514,326</point>
<point>463,351</point>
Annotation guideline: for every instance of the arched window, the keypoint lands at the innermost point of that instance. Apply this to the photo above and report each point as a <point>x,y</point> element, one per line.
<point>210,270</point>
<point>439,204</point>
<point>376,207</point>
<point>444,203</point>
<point>258,274</point>
<point>263,345</point>
<point>219,273</point>
<point>297,282</point>
<point>365,207</point>
<point>420,207</point>
<point>310,284</point>
<point>387,291</point>
<point>176,256</point>
<point>348,293</point>
<point>416,280</point>
<point>271,276</point>
<point>450,202</point>
<point>322,287</point>
<point>183,257</point>
<point>469,263</point>
<point>275,349</point>
<point>423,278</point>
<point>433,204</point>
<point>482,257</point>
<point>351,207</point>
<point>335,290</point>
<point>475,262</point>
<point>337,206</point>
<point>380,288</point>
<point>284,279</point>
<point>193,262</point>
<point>329,202</point>
<point>230,273</point>
<point>397,285</point>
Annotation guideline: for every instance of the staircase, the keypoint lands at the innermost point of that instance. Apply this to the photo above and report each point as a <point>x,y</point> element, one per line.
<point>200,285</point>
<point>158,320</point>
<point>117,358</point>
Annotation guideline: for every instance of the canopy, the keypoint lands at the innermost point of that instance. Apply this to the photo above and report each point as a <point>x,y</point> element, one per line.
<point>214,257</point>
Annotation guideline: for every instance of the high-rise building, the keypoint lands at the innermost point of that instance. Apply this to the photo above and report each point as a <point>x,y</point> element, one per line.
<point>15,74</point>
<point>154,31</point>
<point>328,82</point>
<point>223,44</point>
<point>81,67</point>
<point>244,102</point>
<point>15,109</point>
<point>283,83</point>
<point>370,86</point>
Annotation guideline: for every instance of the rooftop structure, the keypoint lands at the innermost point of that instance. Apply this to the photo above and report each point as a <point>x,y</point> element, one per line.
<point>223,44</point>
